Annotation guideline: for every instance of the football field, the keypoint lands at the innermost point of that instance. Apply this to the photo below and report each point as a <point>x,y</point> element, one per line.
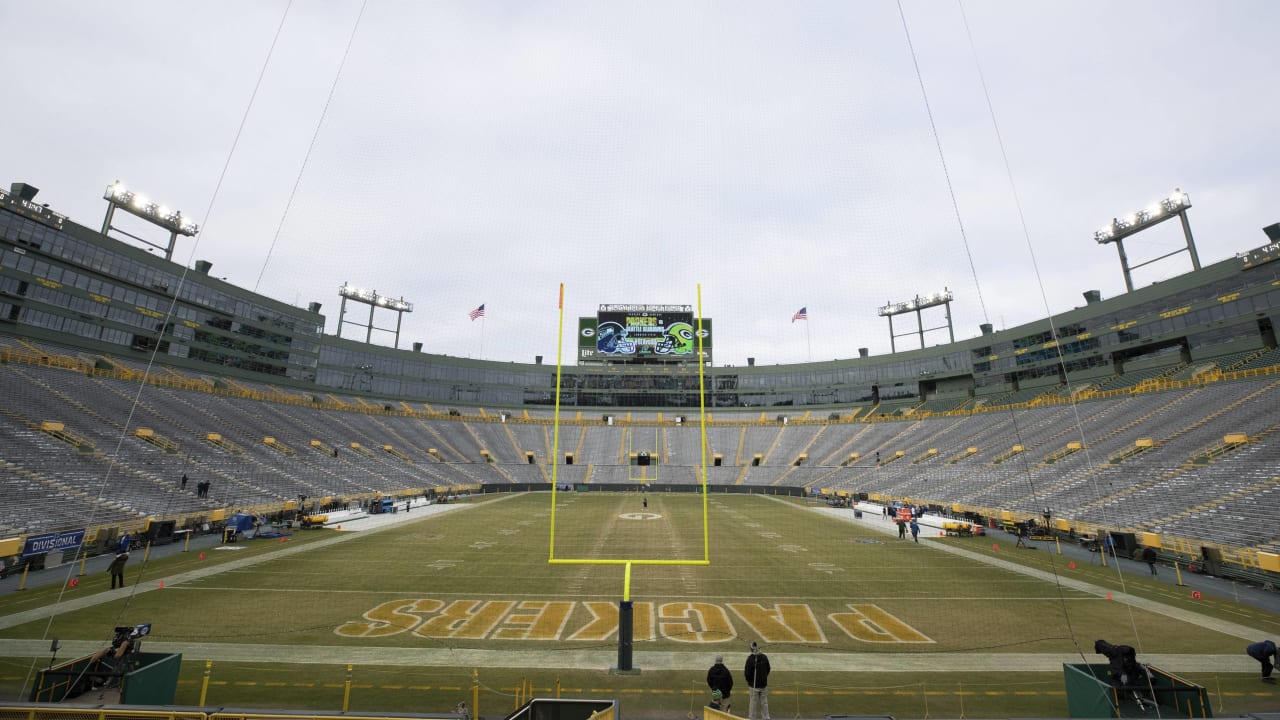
<point>845,610</point>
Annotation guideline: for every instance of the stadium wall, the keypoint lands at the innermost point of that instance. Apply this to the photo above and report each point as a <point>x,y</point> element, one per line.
<point>66,283</point>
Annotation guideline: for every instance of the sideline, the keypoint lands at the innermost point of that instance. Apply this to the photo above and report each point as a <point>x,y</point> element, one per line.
<point>599,660</point>
<point>366,525</point>
<point>1225,627</point>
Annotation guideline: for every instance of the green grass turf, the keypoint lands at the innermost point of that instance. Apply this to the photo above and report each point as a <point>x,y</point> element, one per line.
<point>764,553</point>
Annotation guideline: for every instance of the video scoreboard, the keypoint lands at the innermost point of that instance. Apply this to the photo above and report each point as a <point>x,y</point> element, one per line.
<point>642,334</point>
<point>1260,256</point>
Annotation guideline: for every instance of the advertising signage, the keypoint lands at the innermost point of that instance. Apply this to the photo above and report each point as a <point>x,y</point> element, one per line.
<point>642,334</point>
<point>53,542</point>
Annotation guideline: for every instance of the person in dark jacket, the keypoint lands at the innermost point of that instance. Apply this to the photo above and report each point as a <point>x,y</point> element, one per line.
<point>757,674</point>
<point>915,530</point>
<point>1149,556</point>
<point>116,568</point>
<point>1265,653</point>
<point>719,678</point>
<point>1124,667</point>
<point>1127,674</point>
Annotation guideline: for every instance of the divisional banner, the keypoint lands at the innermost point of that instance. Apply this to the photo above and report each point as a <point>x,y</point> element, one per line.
<point>53,542</point>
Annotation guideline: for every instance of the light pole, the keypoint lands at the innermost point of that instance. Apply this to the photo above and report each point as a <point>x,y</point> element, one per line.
<point>1176,205</point>
<point>371,298</point>
<point>917,304</point>
<point>118,196</point>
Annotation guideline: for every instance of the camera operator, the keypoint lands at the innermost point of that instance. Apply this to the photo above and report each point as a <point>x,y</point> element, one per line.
<point>106,667</point>
<point>1126,672</point>
<point>126,641</point>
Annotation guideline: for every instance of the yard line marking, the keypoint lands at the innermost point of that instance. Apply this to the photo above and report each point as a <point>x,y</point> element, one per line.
<point>664,596</point>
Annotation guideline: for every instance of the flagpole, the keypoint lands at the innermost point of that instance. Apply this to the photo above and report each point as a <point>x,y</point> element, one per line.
<point>807,341</point>
<point>482,319</point>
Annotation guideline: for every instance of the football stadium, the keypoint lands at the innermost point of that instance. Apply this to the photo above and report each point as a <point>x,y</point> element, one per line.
<point>223,499</point>
<point>323,524</point>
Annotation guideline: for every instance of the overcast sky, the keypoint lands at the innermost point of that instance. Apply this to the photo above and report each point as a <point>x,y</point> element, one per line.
<point>779,154</point>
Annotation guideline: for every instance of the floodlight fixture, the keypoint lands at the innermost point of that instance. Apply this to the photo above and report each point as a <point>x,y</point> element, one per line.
<point>172,220</point>
<point>134,203</point>
<point>919,302</point>
<point>916,305</point>
<point>1175,205</point>
<point>371,298</point>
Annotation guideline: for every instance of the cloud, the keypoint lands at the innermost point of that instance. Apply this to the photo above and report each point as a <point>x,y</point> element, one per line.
<point>781,156</point>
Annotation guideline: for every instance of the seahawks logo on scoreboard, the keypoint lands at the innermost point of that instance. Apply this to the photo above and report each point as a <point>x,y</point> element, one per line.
<point>622,333</point>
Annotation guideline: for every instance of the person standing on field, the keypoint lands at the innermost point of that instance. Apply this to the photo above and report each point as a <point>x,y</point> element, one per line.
<point>1150,556</point>
<point>719,678</point>
<point>757,674</point>
<point>116,568</point>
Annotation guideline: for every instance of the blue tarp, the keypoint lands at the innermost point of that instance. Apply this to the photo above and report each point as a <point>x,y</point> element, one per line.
<point>242,522</point>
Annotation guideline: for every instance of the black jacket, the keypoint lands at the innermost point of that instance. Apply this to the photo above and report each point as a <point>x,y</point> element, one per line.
<point>1261,650</point>
<point>1125,669</point>
<point>117,565</point>
<point>719,678</point>
<point>757,670</point>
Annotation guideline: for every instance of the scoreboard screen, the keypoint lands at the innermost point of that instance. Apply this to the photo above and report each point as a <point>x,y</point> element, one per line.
<point>1260,256</point>
<point>642,333</point>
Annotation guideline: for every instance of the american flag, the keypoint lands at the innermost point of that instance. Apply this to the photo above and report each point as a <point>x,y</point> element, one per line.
<point>801,314</point>
<point>477,313</point>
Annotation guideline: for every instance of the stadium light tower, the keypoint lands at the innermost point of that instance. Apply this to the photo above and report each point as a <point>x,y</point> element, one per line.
<point>1176,205</point>
<point>374,301</point>
<point>917,304</point>
<point>118,196</point>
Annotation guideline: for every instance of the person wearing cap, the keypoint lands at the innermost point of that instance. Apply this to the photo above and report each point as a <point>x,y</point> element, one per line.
<point>720,680</point>
<point>757,674</point>
<point>1265,653</point>
<point>116,568</point>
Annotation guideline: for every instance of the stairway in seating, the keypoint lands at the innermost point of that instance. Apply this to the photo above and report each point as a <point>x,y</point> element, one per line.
<point>1238,493</point>
<point>1112,431</point>
<point>1221,411</point>
<point>48,482</point>
<point>1174,472</point>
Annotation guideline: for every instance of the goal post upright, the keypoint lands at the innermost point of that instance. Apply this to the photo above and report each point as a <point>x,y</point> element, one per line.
<point>625,616</point>
<point>555,425</point>
<point>702,429</point>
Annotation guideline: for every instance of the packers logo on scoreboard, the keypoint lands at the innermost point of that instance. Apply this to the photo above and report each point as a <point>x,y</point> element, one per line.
<point>654,332</point>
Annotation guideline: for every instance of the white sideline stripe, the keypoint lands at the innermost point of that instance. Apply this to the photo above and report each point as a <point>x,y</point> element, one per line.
<point>1225,627</point>
<point>379,523</point>
<point>656,599</point>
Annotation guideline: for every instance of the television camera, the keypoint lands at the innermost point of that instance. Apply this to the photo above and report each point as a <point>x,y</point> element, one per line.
<point>1127,674</point>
